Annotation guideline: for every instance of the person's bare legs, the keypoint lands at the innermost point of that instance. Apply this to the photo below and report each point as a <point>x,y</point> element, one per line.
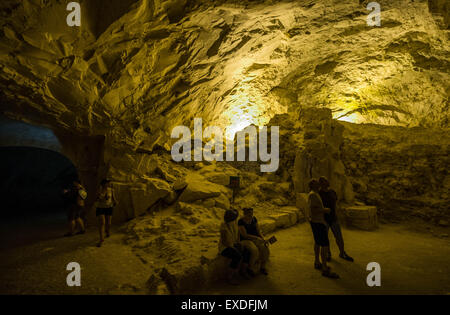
<point>326,271</point>
<point>107,224</point>
<point>316,254</point>
<point>324,255</point>
<point>263,254</point>
<point>101,227</point>
<point>340,244</point>
<point>80,224</point>
<point>253,251</point>
<point>71,227</point>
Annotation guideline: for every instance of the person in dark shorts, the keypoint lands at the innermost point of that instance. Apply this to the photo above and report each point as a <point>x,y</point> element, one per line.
<point>106,201</point>
<point>231,247</point>
<point>329,200</point>
<point>319,229</point>
<point>250,230</point>
<point>74,197</point>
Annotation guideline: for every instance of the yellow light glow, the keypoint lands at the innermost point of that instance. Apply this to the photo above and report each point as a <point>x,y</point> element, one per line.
<point>249,103</point>
<point>232,129</point>
<point>243,111</point>
<point>345,104</point>
<point>353,118</point>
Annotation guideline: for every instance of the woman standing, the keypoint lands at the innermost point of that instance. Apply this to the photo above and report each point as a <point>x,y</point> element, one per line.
<point>106,201</point>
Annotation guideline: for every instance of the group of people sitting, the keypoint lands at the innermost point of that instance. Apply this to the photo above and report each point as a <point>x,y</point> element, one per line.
<point>244,244</point>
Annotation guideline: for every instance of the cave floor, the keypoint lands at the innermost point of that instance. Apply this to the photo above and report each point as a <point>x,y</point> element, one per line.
<point>39,267</point>
<point>411,263</point>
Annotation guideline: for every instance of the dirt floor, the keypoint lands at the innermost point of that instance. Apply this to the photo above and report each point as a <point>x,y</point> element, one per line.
<point>34,259</point>
<point>411,262</point>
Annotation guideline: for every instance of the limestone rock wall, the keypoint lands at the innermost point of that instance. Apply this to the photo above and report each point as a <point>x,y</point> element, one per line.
<point>441,8</point>
<point>320,153</point>
<point>402,171</point>
<point>134,69</point>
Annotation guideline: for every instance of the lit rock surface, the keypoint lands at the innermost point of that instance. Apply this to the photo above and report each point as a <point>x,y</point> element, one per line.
<point>134,69</point>
<point>113,89</point>
<point>402,171</point>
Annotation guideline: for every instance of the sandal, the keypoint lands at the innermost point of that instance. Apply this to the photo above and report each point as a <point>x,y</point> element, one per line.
<point>80,232</point>
<point>329,274</point>
<point>318,266</point>
<point>264,271</point>
<point>68,234</point>
<point>346,257</point>
<point>99,244</point>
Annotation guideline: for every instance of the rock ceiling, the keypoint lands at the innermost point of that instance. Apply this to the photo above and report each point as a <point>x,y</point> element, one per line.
<point>135,69</point>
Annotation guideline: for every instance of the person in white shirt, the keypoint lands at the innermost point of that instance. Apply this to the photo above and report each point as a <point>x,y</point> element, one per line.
<point>231,247</point>
<point>319,229</point>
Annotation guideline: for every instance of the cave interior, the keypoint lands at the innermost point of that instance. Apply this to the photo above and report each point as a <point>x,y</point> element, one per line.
<point>366,106</point>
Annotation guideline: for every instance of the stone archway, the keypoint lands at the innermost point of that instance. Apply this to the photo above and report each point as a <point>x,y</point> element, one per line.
<point>84,151</point>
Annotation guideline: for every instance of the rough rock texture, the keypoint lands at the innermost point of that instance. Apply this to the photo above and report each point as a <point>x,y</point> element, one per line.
<point>320,153</point>
<point>113,89</point>
<point>134,69</point>
<point>180,243</point>
<point>402,171</point>
<point>361,217</point>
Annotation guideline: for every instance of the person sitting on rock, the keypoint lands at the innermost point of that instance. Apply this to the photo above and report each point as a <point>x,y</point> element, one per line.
<point>319,229</point>
<point>329,199</point>
<point>258,246</point>
<point>75,196</point>
<point>231,247</point>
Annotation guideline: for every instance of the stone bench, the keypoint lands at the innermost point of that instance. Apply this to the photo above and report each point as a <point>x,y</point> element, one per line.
<point>213,268</point>
<point>362,217</point>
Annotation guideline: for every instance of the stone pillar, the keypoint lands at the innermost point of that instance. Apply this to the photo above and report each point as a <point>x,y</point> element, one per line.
<point>320,153</point>
<point>86,153</point>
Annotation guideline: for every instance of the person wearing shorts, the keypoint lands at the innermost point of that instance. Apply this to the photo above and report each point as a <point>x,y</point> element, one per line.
<point>319,229</point>
<point>329,200</point>
<point>105,205</point>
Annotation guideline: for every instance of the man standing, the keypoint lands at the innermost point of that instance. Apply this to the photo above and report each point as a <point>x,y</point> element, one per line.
<point>319,229</point>
<point>329,199</point>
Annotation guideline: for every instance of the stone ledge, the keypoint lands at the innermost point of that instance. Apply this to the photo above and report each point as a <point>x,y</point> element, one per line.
<point>361,217</point>
<point>212,269</point>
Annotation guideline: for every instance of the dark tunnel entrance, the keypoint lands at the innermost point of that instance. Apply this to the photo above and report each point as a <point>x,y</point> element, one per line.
<point>32,180</point>
<point>36,166</point>
<point>31,192</point>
